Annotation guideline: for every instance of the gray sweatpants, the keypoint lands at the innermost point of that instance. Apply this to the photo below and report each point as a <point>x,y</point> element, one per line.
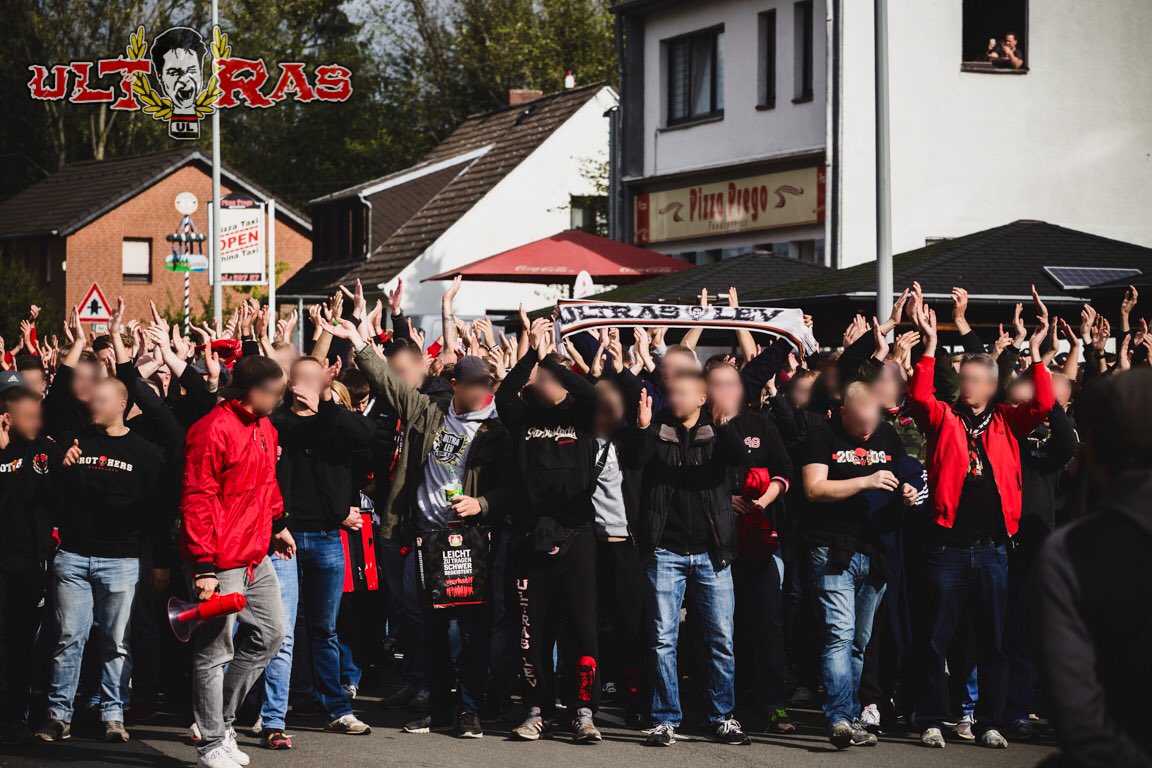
<point>228,659</point>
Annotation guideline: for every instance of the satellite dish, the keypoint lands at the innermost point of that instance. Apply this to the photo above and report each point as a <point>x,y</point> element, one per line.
<point>186,203</point>
<point>583,286</point>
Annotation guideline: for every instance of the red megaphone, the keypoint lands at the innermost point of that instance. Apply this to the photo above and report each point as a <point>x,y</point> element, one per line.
<point>184,617</point>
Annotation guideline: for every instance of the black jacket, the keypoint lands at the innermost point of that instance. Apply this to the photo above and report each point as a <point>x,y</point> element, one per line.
<point>693,465</point>
<point>317,451</point>
<point>1094,626</point>
<point>555,446</point>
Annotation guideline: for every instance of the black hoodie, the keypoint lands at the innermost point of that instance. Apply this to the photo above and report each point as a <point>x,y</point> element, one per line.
<point>555,445</point>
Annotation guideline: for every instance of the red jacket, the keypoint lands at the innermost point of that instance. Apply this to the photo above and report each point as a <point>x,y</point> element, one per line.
<point>948,442</point>
<point>230,496</point>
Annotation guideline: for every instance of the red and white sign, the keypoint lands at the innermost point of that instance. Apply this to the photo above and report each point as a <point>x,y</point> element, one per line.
<point>94,308</point>
<point>242,255</point>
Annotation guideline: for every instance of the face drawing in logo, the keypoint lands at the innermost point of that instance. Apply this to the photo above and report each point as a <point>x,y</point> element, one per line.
<point>177,64</point>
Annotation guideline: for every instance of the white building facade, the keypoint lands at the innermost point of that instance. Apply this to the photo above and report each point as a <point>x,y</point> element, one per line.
<point>732,97</point>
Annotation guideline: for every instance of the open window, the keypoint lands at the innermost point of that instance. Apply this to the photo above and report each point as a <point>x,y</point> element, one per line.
<point>695,73</point>
<point>995,36</point>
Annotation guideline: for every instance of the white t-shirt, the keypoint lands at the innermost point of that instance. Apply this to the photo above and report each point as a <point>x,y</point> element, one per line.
<point>446,461</point>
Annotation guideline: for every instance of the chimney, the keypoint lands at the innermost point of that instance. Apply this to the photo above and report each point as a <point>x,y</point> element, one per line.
<point>570,80</point>
<point>517,96</point>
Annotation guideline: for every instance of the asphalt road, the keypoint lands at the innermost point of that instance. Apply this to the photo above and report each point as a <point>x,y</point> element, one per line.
<point>162,743</point>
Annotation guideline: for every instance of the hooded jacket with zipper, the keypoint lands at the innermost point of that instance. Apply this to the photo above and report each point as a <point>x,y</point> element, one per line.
<point>32,483</point>
<point>947,442</point>
<point>694,462</point>
<point>230,503</point>
<point>486,473</point>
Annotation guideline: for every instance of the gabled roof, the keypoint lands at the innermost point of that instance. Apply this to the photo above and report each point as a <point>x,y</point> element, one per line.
<point>999,264</point>
<point>79,193</point>
<point>752,274</point>
<point>487,147</point>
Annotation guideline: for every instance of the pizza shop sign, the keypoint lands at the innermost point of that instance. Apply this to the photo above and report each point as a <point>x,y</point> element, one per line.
<point>173,80</point>
<point>767,201</point>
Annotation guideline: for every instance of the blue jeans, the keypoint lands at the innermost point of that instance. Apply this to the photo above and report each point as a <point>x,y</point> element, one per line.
<point>846,602</point>
<point>278,673</point>
<point>713,601</point>
<point>320,555</point>
<point>959,579</point>
<point>87,589</point>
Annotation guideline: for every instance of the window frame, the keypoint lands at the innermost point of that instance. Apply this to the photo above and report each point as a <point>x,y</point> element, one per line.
<point>136,278</point>
<point>715,111</point>
<point>769,59</point>
<point>982,67</point>
<point>804,54</point>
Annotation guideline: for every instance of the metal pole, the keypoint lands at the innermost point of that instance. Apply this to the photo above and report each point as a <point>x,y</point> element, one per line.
<point>271,224</point>
<point>300,324</point>
<point>217,287</point>
<point>883,165</point>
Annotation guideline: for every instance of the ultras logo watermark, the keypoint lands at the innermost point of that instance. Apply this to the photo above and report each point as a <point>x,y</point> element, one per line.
<point>172,80</point>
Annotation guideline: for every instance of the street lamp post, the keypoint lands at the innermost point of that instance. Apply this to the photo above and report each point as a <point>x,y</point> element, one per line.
<point>884,287</point>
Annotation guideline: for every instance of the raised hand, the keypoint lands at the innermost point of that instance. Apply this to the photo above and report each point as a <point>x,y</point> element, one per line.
<point>538,335</point>
<point>396,297</point>
<point>644,410</point>
<point>1128,303</point>
<point>73,454</point>
<point>880,338</point>
<point>1041,310</point>
<point>897,313</point>
<point>857,328</point>
<point>1037,339</point>
<point>960,309</point>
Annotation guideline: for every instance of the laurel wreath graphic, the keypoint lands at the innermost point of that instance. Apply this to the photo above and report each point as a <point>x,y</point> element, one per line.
<point>157,105</point>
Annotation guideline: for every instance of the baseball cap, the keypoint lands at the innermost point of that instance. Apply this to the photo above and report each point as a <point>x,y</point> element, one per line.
<point>470,369</point>
<point>11,380</point>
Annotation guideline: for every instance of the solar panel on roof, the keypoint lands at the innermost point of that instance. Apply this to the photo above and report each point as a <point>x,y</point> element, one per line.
<point>1073,278</point>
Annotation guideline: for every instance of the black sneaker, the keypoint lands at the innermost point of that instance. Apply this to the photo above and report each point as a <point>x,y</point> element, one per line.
<point>730,732</point>
<point>862,737</point>
<point>398,698</point>
<point>495,708</point>
<point>840,734</point>
<point>468,726</point>
<point>427,724</point>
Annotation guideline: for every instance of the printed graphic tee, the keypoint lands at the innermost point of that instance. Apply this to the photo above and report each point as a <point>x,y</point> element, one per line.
<point>444,471</point>
<point>118,500</point>
<point>847,520</point>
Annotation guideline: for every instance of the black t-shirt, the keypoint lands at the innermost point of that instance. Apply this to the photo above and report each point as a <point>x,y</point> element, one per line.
<point>847,522</point>
<point>118,500</point>
<point>979,515</point>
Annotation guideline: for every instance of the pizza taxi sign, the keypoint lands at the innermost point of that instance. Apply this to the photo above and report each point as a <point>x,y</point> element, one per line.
<point>172,79</point>
<point>241,247</point>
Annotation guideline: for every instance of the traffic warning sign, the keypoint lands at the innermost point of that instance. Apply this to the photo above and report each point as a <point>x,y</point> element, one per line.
<point>94,308</point>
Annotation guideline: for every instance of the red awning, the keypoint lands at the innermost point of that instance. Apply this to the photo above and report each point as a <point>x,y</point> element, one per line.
<point>560,258</point>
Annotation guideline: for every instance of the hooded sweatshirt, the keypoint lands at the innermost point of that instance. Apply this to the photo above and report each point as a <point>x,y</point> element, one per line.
<point>444,471</point>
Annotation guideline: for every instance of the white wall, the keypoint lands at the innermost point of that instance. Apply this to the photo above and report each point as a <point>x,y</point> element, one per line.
<point>1069,143</point>
<point>745,134</point>
<point>531,202</point>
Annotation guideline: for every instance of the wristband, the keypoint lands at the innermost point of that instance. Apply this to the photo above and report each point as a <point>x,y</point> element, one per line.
<point>204,576</point>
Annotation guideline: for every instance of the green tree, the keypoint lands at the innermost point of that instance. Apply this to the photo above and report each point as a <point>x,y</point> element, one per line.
<point>20,292</point>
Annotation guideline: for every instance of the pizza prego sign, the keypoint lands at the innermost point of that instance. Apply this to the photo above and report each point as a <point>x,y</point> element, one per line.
<point>767,201</point>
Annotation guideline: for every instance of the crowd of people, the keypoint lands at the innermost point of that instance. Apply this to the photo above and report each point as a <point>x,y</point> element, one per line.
<point>871,527</point>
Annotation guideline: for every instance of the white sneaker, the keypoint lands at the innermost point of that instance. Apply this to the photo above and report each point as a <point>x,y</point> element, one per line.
<point>350,691</point>
<point>870,717</point>
<point>217,758</point>
<point>257,727</point>
<point>241,758</point>
<point>964,728</point>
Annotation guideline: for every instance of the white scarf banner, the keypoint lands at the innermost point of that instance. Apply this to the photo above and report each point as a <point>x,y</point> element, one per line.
<point>578,315</point>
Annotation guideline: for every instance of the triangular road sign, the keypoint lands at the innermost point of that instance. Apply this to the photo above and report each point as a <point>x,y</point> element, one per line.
<point>94,308</point>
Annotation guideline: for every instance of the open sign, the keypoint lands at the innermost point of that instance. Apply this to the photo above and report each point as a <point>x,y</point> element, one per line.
<point>242,255</point>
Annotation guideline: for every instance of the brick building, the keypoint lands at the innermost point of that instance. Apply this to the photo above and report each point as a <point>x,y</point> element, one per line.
<point>105,222</point>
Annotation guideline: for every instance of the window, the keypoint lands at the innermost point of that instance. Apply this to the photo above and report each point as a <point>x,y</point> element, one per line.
<point>590,214</point>
<point>802,30</point>
<point>994,36</point>
<point>695,77</point>
<point>136,261</point>
<point>767,60</point>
